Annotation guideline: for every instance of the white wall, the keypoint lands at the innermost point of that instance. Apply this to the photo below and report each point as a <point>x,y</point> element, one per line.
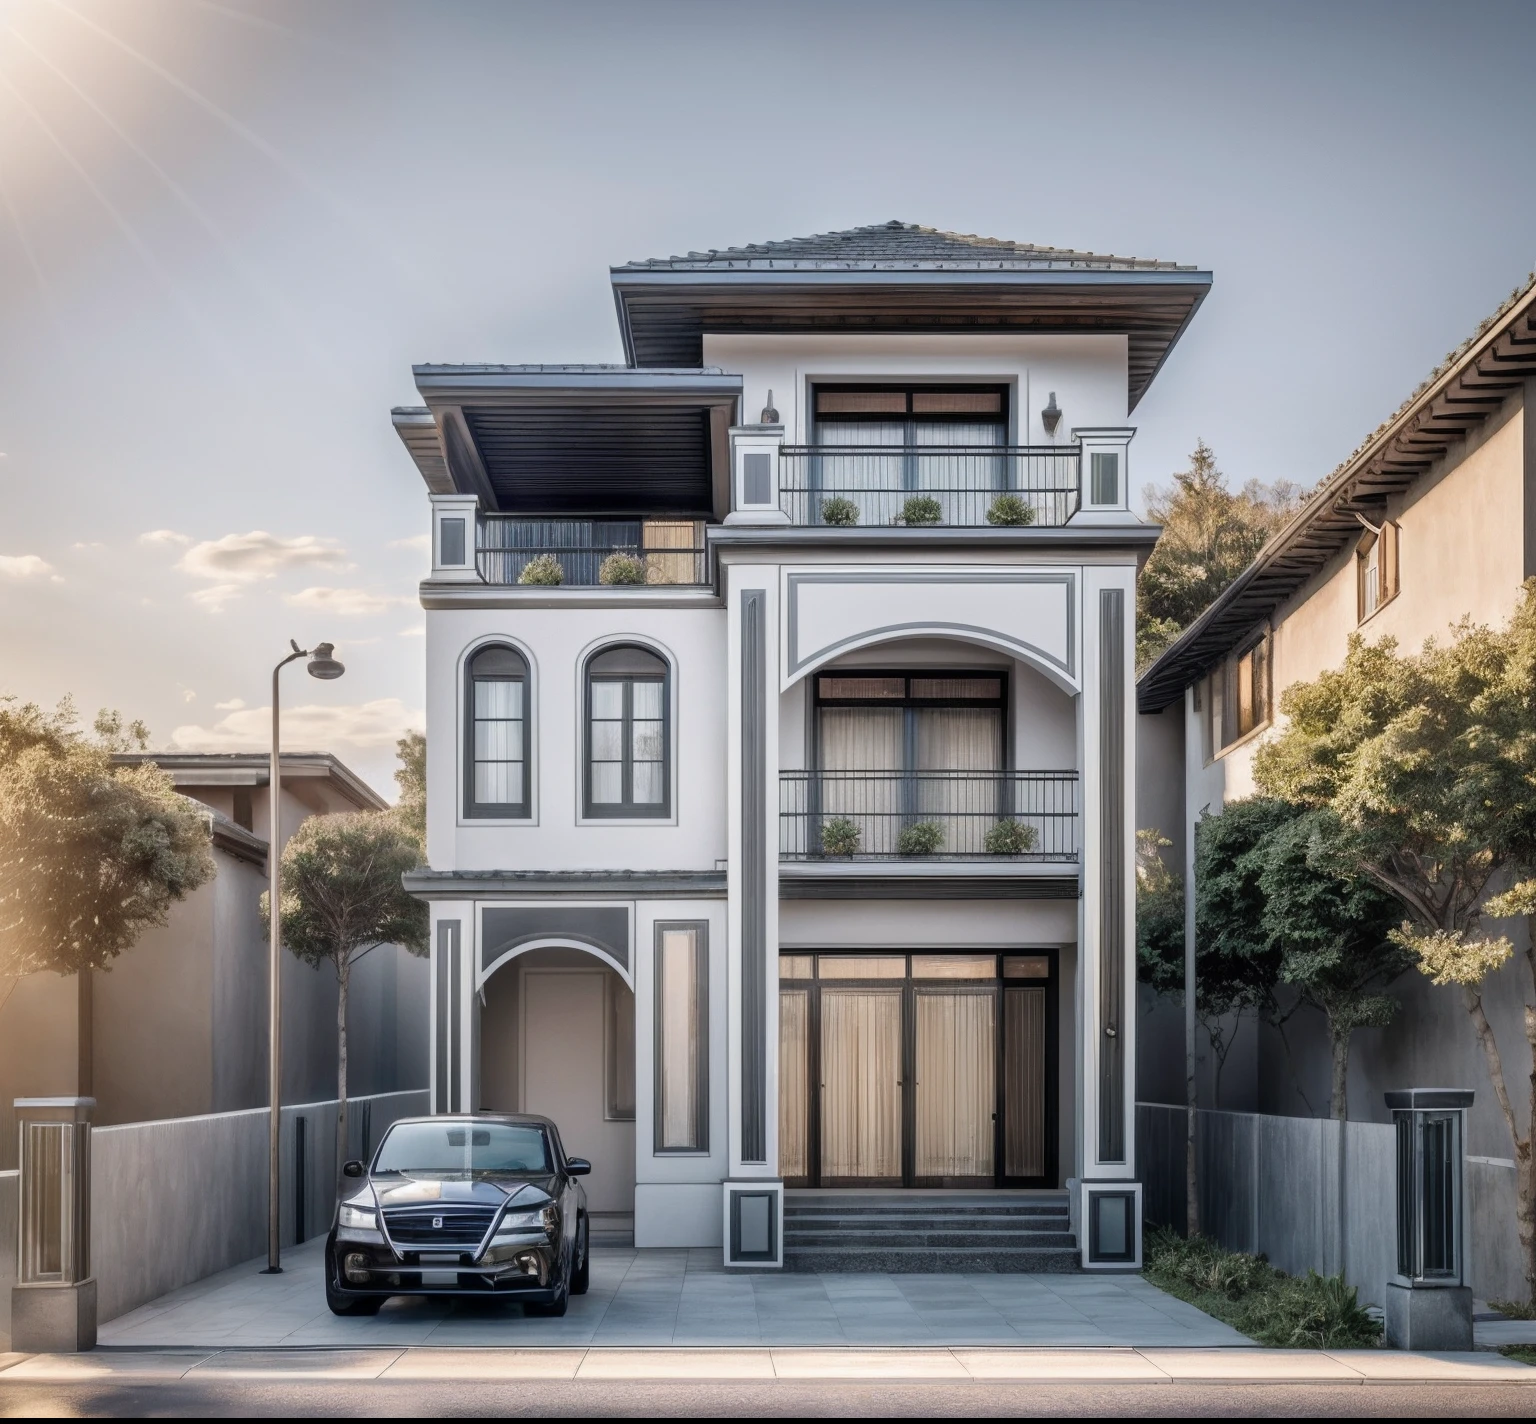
<point>556,643</point>
<point>1088,373</point>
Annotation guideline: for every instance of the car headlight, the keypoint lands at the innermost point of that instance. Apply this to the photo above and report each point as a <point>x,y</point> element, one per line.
<point>551,1219</point>
<point>520,1221</point>
<point>359,1218</point>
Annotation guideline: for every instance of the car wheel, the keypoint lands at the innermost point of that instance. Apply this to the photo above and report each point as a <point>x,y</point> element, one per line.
<point>558,1305</point>
<point>340,1302</point>
<point>581,1274</point>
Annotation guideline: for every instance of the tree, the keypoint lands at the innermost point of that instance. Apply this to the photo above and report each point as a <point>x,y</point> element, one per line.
<point>1428,762</point>
<point>342,898</point>
<point>411,778</point>
<point>1281,903</point>
<point>91,854</point>
<point>1210,535</point>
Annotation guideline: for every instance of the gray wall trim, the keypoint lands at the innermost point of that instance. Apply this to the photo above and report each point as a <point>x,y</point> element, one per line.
<point>794,582</point>
<point>658,884</point>
<point>1112,1104</point>
<point>754,877</point>
<point>937,887</point>
<point>447,954</point>
<point>456,999</point>
<point>700,930</point>
<point>503,928</point>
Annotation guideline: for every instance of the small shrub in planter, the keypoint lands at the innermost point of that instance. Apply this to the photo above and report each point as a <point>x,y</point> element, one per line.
<point>544,569</point>
<point>1011,838</point>
<point>621,568</point>
<point>922,838</point>
<point>839,512</point>
<point>839,836</point>
<point>921,509</point>
<point>1008,510</point>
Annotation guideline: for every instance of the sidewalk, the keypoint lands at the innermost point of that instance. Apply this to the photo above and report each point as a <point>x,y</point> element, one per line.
<point>1101,1366</point>
<point>685,1298</point>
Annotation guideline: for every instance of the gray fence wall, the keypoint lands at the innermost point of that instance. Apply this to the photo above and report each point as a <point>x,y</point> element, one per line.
<point>1314,1194</point>
<point>174,1201</point>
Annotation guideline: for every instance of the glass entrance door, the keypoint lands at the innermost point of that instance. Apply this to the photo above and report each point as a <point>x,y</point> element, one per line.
<point>920,1070</point>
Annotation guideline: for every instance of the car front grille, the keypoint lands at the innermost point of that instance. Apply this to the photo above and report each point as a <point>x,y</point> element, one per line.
<point>439,1226</point>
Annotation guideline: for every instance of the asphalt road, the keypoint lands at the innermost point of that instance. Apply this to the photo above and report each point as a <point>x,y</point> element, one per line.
<point>771,1399</point>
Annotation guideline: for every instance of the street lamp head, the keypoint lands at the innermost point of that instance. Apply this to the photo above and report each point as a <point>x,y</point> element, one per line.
<point>323,665</point>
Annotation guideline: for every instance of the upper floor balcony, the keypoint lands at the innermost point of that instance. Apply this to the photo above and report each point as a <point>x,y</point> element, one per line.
<point>510,549</point>
<point>914,486</point>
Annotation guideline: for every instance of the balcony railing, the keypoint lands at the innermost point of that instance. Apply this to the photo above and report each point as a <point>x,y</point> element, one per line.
<point>965,485</point>
<point>668,551</point>
<point>943,815</point>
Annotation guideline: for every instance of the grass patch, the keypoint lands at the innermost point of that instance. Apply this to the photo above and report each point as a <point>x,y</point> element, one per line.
<point>1289,1312</point>
<point>1524,1354</point>
<point>1515,1309</point>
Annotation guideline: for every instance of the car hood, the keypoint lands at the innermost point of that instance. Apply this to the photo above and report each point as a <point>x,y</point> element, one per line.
<point>484,1188</point>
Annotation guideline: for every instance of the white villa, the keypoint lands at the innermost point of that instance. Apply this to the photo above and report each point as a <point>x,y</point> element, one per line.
<point>781,742</point>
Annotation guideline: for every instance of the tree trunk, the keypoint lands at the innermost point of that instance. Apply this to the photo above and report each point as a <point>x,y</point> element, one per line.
<point>1339,1097</point>
<point>343,972</point>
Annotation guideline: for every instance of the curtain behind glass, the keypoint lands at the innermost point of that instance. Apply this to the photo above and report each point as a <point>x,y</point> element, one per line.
<point>679,1115</point>
<point>860,1092</point>
<point>498,742</point>
<point>954,740</point>
<point>872,482</point>
<point>956,1084</point>
<point>794,1083</point>
<point>857,740</point>
<point>1024,1079</point>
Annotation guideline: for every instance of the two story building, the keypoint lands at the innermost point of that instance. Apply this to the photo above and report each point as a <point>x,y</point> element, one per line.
<point>780,730</point>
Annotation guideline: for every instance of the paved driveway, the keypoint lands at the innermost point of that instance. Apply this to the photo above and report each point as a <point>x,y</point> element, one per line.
<point>681,1297</point>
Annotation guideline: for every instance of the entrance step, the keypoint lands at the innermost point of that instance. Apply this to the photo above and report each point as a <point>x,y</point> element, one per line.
<point>927,1232</point>
<point>611,1228</point>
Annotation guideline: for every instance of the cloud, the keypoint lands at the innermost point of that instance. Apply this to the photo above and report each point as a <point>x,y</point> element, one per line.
<point>309,728</point>
<point>94,544</point>
<point>233,705</point>
<point>258,555</point>
<point>21,566</point>
<point>416,541</point>
<point>215,598</point>
<point>415,632</point>
<point>346,602</point>
<point>187,695</point>
<point>164,536</point>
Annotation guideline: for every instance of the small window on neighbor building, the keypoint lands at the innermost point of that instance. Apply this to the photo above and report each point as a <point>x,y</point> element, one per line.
<point>1376,565</point>
<point>1105,487</point>
<point>1240,700</point>
<point>496,759</point>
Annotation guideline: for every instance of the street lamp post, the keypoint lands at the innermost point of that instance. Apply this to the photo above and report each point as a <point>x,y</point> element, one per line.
<point>324,666</point>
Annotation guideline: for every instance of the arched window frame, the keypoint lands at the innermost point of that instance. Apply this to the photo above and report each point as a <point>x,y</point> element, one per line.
<point>474,808</point>
<point>626,809</point>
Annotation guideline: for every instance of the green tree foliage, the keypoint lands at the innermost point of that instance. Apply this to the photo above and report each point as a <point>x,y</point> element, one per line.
<point>1210,535</point>
<point>411,778</point>
<point>342,897</point>
<point>1428,760</point>
<point>91,854</point>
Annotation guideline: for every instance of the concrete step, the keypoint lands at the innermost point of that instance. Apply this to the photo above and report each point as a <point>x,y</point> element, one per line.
<point>865,1239</point>
<point>1025,1221</point>
<point>929,1260</point>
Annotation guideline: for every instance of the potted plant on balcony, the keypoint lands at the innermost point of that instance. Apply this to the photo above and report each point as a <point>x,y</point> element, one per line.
<point>1010,837</point>
<point>921,509</point>
<point>1009,511</point>
<point>543,569</point>
<point>840,836</point>
<point>839,512</point>
<point>621,568</point>
<point>921,838</point>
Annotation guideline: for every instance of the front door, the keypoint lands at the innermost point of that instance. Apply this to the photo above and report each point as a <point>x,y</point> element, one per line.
<point>919,1070</point>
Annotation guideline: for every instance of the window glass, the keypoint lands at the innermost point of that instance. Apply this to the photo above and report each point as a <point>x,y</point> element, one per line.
<point>1105,488</point>
<point>627,739</point>
<point>841,966</point>
<point>619,1049</point>
<point>954,966</point>
<point>681,1039</point>
<point>1026,966</point>
<point>795,966</point>
<point>463,1147</point>
<point>496,774</point>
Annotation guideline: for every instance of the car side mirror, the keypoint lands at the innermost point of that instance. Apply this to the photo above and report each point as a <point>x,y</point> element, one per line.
<point>577,1166</point>
<point>352,1169</point>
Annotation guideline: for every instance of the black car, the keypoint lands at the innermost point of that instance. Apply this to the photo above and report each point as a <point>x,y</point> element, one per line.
<point>461,1205</point>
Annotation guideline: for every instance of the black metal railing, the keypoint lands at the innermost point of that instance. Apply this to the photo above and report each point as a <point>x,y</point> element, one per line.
<point>954,815</point>
<point>657,551</point>
<point>964,485</point>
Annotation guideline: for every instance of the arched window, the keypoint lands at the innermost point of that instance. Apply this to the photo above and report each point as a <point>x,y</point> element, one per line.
<point>628,741</point>
<point>496,758</point>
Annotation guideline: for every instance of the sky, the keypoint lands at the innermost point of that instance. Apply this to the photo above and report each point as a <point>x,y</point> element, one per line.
<point>228,230</point>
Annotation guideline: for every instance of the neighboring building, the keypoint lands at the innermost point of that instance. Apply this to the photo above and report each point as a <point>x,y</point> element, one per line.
<point>807,858</point>
<point>1431,521</point>
<point>178,1025</point>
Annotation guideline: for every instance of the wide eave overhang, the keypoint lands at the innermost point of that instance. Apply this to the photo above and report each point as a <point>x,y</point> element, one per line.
<point>664,313</point>
<point>1454,403</point>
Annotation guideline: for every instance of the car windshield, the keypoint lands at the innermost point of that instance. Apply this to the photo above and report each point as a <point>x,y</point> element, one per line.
<point>463,1147</point>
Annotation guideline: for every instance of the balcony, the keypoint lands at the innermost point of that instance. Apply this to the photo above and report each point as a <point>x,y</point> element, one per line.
<point>659,551</point>
<point>952,485</point>
<point>995,816</point>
